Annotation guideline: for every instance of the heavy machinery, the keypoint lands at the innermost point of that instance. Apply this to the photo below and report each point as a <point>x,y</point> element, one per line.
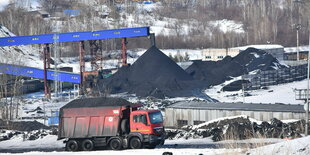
<point>109,122</point>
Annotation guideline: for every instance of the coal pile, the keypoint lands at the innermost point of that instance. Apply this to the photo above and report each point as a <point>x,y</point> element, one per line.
<point>28,135</point>
<point>249,60</point>
<point>22,125</point>
<point>153,74</point>
<point>6,135</point>
<point>240,128</point>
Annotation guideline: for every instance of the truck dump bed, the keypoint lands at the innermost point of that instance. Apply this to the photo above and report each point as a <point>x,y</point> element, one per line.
<point>92,117</point>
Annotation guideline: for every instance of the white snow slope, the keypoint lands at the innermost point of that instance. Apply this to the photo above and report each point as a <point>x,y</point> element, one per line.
<point>19,55</point>
<point>300,146</point>
<point>283,93</point>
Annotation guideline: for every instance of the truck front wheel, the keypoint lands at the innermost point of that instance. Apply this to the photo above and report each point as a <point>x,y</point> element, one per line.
<point>72,145</point>
<point>87,145</point>
<point>135,143</point>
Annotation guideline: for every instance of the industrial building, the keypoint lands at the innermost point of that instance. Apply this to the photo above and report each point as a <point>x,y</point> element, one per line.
<point>196,112</point>
<point>215,54</point>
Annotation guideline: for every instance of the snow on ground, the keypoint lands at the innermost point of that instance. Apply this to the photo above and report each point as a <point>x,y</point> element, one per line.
<point>144,152</point>
<point>282,93</point>
<point>34,100</point>
<point>49,141</point>
<point>181,146</point>
<point>300,146</point>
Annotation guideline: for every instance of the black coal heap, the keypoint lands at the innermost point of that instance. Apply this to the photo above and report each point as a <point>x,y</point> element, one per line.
<point>153,74</point>
<point>218,72</point>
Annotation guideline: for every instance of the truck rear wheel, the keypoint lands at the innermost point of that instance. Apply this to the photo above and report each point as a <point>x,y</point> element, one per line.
<point>87,145</point>
<point>72,145</point>
<point>115,144</point>
<point>135,143</point>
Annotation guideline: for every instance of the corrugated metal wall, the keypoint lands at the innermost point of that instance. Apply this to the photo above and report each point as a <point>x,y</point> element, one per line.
<point>173,115</point>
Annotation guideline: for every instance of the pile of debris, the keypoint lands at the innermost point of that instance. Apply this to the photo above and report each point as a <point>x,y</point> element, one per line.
<point>22,125</point>
<point>30,135</point>
<point>7,134</point>
<point>239,128</point>
<point>153,74</point>
<point>217,72</point>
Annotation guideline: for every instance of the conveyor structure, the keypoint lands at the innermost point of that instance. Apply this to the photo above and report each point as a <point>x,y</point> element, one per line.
<point>79,37</point>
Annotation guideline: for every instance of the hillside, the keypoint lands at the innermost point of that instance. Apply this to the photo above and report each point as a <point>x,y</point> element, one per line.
<point>177,24</point>
<point>19,55</point>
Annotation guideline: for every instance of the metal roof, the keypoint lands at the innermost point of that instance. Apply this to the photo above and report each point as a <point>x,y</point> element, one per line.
<point>238,106</point>
<point>294,49</point>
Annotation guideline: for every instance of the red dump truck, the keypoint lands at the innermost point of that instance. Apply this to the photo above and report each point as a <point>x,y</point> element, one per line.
<point>112,123</point>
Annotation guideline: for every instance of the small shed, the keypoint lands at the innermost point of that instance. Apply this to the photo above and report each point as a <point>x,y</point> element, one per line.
<point>196,112</point>
<point>40,14</point>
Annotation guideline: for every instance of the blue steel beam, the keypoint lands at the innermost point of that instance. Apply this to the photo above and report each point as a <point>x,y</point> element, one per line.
<point>39,73</point>
<point>75,36</point>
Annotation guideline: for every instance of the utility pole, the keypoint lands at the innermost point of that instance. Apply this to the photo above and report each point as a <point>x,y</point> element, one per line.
<point>307,101</point>
<point>56,61</point>
<point>298,27</point>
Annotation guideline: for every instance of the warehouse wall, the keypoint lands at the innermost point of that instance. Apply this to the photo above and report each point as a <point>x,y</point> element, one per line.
<point>176,118</point>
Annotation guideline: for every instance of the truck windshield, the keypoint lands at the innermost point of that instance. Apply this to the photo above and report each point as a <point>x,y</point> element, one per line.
<point>156,117</point>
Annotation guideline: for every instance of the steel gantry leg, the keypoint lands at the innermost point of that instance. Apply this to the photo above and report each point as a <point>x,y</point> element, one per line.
<point>96,54</point>
<point>46,61</point>
<point>124,52</point>
<point>82,66</point>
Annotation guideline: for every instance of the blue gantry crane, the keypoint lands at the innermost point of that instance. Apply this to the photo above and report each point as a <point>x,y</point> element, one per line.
<point>80,37</point>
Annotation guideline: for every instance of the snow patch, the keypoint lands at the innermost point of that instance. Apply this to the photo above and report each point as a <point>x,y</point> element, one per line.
<point>285,93</point>
<point>255,55</point>
<point>3,4</point>
<point>228,25</point>
<point>220,119</point>
<point>297,146</point>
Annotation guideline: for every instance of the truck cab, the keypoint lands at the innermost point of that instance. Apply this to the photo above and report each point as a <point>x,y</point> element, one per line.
<point>149,125</point>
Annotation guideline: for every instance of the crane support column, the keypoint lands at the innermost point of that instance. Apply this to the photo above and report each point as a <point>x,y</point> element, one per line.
<point>46,61</point>
<point>124,52</point>
<point>95,53</point>
<point>82,65</point>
